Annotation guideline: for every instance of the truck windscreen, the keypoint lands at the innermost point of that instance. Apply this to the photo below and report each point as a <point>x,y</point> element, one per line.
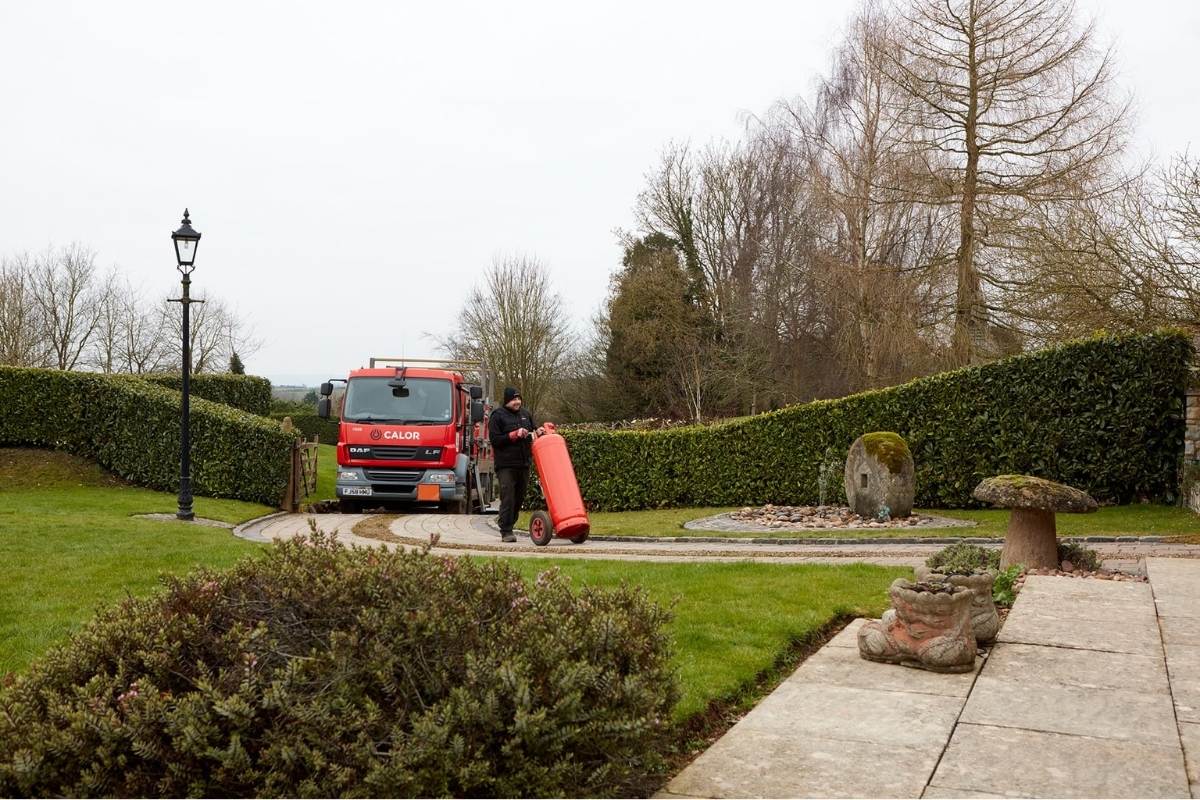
<point>422,400</point>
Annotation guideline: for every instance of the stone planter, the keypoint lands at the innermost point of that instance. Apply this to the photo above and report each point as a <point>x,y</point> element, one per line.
<point>985,620</point>
<point>928,626</point>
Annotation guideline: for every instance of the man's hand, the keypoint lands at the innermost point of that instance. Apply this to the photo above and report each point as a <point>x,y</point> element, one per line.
<point>541,431</point>
<point>519,433</point>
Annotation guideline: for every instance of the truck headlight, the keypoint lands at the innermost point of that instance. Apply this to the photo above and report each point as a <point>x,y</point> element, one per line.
<point>347,476</point>
<point>439,477</point>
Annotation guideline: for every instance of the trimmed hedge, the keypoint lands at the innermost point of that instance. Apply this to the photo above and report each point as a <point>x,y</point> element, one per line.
<point>311,425</point>
<point>131,427</point>
<point>248,393</point>
<point>1103,414</point>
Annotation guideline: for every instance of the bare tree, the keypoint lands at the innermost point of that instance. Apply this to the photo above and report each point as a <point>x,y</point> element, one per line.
<point>215,333</point>
<point>1014,110</point>
<point>881,266</point>
<point>1129,260</point>
<point>514,323</point>
<point>22,327</point>
<point>67,295</point>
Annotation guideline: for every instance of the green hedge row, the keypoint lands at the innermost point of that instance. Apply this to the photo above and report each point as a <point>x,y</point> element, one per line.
<point>131,427</point>
<point>248,393</point>
<point>1103,414</point>
<point>311,425</point>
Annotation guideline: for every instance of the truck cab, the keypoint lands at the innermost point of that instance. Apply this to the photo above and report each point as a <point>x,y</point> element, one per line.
<point>411,435</point>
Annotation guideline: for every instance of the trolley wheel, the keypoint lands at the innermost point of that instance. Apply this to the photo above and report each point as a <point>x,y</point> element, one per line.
<point>541,529</point>
<point>580,539</point>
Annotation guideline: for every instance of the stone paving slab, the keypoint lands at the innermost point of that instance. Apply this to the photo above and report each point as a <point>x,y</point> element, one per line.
<point>938,791</point>
<point>845,713</point>
<point>1189,733</point>
<point>847,636</point>
<point>1183,662</point>
<point>1176,587</point>
<point>842,666</point>
<point>1184,631</point>
<point>758,763</point>
<point>1039,764</point>
<point>1139,638</point>
<point>1087,669</point>
<point>1146,717</point>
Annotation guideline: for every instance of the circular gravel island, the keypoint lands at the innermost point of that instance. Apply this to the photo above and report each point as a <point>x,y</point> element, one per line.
<point>771,519</point>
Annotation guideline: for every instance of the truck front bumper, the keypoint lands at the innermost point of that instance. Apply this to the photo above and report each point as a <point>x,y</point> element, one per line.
<point>368,483</point>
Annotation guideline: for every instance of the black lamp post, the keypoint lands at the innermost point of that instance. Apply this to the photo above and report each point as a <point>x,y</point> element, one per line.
<point>186,241</point>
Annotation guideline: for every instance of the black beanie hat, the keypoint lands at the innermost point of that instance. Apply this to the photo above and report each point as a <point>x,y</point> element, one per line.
<point>509,394</point>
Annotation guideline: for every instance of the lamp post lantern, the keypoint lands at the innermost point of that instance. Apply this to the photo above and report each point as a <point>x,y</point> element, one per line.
<point>186,240</point>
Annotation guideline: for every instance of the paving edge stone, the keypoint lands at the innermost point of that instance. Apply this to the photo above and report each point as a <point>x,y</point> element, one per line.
<point>243,531</point>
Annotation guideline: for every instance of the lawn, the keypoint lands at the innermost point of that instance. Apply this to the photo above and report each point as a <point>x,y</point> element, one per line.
<point>1132,520</point>
<point>734,620</point>
<point>68,544</point>
<point>326,473</point>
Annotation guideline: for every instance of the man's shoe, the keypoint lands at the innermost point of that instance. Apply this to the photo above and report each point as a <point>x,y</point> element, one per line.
<point>507,536</point>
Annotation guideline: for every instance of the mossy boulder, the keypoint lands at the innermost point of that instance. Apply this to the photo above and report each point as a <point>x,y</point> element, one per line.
<point>880,476</point>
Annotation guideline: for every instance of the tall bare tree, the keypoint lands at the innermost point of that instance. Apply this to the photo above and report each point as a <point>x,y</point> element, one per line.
<point>515,323</point>
<point>23,339</point>
<point>881,266</point>
<point>68,297</point>
<point>1014,108</point>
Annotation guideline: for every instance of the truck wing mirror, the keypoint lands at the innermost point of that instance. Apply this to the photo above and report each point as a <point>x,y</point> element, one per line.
<point>326,389</point>
<point>476,392</point>
<point>323,407</point>
<point>476,411</point>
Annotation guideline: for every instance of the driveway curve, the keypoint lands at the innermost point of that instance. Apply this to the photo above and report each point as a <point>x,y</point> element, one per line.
<point>478,535</point>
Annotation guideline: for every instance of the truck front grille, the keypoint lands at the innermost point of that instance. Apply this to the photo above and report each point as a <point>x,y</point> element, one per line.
<point>393,475</point>
<point>392,453</point>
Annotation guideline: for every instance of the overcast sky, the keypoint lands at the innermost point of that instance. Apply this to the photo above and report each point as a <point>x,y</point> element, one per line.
<point>354,166</point>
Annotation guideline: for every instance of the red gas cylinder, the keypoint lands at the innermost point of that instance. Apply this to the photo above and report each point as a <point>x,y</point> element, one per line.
<point>559,486</point>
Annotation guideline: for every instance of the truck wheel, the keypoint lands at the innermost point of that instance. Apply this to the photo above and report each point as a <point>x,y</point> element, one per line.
<point>348,506</point>
<point>541,529</point>
<point>580,539</point>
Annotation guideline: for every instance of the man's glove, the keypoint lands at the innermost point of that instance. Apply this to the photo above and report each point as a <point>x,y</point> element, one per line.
<point>519,433</point>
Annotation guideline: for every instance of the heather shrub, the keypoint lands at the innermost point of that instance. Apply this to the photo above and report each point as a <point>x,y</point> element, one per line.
<point>961,558</point>
<point>320,670</point>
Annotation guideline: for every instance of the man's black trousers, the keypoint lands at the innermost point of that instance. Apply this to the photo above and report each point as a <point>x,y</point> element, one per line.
<point>513,481</point>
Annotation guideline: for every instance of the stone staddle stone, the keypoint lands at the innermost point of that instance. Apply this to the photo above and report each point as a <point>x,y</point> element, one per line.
<point>1032,539</point>
<point>880,472</point>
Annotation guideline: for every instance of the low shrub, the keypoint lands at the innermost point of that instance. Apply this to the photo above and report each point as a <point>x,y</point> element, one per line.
<point>1004,590</point>
<point>248,393</point>
<point>1080,556</point>
<point>131,427</point>
<point>961,558</point>
<point>317,670</point>
<point>1103,414</point>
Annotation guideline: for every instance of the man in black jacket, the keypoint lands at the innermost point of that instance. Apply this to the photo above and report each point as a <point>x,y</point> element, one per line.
<point>512,431</point>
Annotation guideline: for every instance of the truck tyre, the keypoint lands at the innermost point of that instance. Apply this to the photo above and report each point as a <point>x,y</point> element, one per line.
<point>348,506</point>
<point>541,529</point>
